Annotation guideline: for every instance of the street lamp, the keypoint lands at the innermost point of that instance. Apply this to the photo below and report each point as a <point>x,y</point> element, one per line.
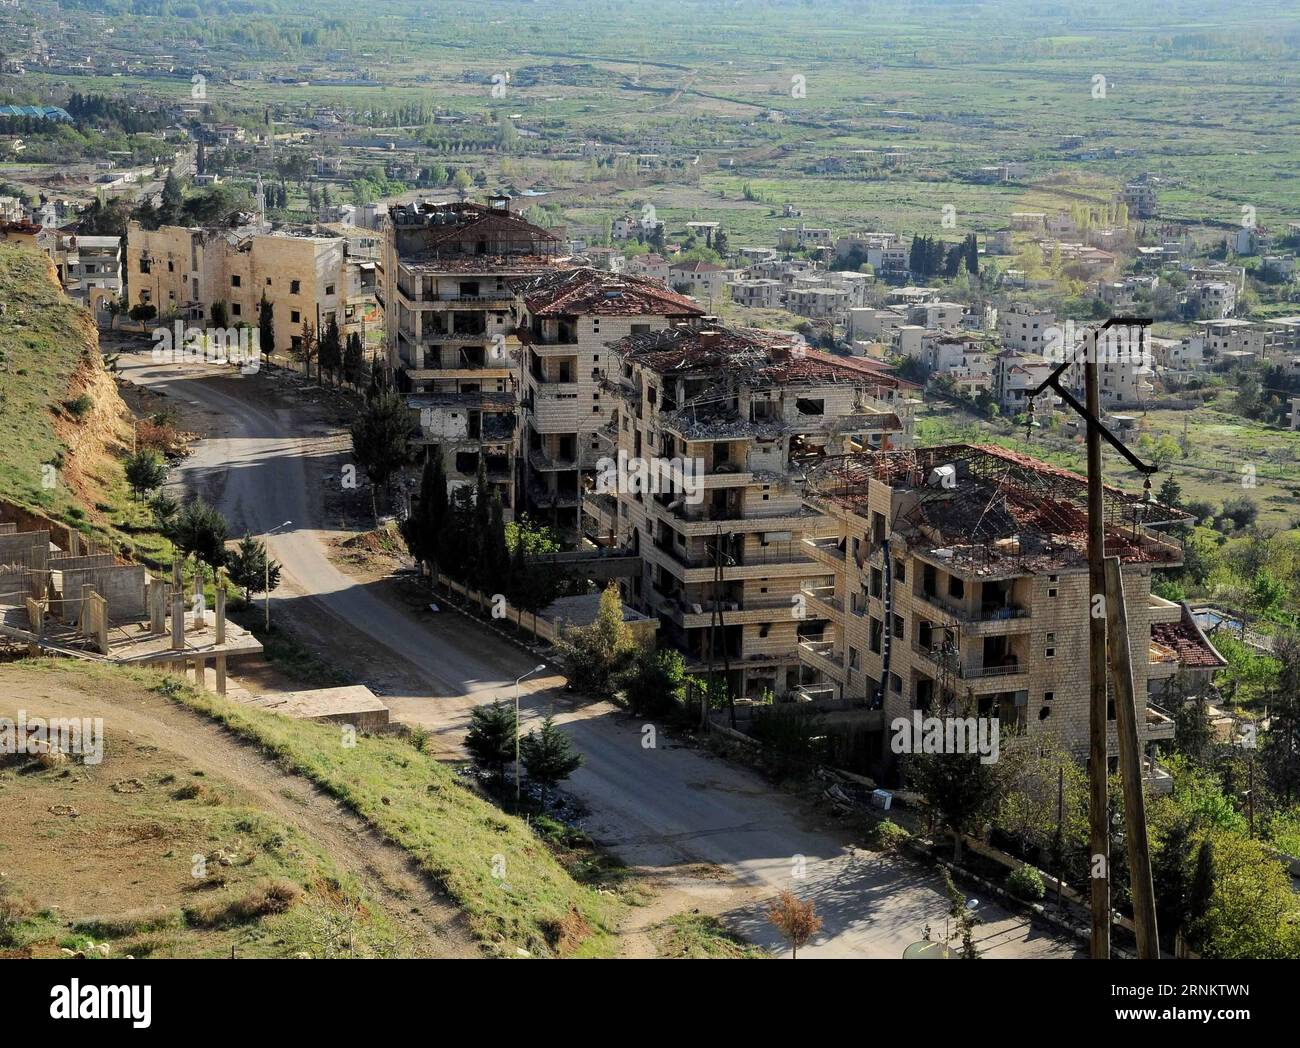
<point>535,669</point>
<point>266,562</point>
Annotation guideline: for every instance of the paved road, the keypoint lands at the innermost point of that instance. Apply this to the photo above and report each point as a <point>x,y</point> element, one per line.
<point>665,806</point>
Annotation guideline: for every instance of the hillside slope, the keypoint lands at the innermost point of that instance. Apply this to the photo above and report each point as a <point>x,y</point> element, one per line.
<point>64,430</point>
<point>377,828</point>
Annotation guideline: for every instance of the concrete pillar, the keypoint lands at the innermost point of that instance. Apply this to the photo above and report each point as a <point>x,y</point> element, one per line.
<point>83,624</point>
<point>157,607</point>
<point>178,622</point>
<point>177,574</point>
<point>99,621</point>
<point>200,678</point>
<point>221,613</point>
<point>74,543</point>
<point>198,600</point>
<point>220,663</point>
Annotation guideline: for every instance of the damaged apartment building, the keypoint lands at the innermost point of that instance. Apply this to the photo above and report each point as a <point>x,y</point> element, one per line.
<point>567,319</point>
<point>955,579</point>
<point>733,416</point>
<point>307,275</point>
<point>450,324</point>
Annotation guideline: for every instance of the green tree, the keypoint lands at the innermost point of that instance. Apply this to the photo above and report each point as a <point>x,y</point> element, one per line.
<point>423,528</point>
<point>220,315</point>
<point>249,569</point>
<point>266,327</point>
<point>595,654</point>
<point>145,472</point>
<point>354,361</point>
<point>655,684</point>
<point>491,737</point>
<point>381,441</point>
<point>198,530</point>
<point>549,757</point>
<point>962,791</point>
<point>331,351</point>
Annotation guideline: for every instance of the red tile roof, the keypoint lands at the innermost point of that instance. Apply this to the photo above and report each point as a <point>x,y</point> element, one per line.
<point>588,291</point>
<point>1184,637</point>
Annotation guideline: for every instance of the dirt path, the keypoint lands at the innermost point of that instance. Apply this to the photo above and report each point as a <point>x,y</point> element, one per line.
<point>432,924</point>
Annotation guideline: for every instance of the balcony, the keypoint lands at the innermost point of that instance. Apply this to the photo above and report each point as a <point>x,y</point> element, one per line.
<point>821,655</point>
<point>1163,661</point>
<point>822,602</point>
<point>544,463</point>
<point>1160,725</point>
<point>826,551</point>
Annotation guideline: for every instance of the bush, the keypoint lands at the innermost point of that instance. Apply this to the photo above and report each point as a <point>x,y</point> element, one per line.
<point>886,836</point>
<point>1026,883</point>
<point>79,407</point>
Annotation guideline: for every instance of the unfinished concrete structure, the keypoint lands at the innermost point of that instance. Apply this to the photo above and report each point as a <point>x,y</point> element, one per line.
<point>958,575</point>
<point>567,320</point>
<point>729,416</point>
<point>450,322</point>
<point>83,603</point>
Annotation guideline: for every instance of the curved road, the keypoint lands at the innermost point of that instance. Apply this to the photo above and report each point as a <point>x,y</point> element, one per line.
<point>663,806</point>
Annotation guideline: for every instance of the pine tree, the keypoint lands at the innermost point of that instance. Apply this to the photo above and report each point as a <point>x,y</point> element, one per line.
<point>266,327</point>
<point>331,350</point>
<point>354,361</point>
<point>491,737</point>
<point>250,568</point>
<point>548,756</point>
<point>381,440</point>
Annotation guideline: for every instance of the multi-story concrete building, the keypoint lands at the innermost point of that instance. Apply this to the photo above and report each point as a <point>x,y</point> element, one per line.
<point>955,579</point>
<point>1015,377</point>
<point>307,277</point>
<point>1215,299</point>
<point>450,321</point>
<point>757,293</point>
<point>567,319</point>
<point>802,237</point>
<point>1141,198</point>
<point>1025,329</point>
<point>732,415</point>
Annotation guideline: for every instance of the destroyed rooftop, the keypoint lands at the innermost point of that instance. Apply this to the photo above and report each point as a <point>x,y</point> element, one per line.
<point>751,356</point>
<point>589,291</point>
<point>732,359</point>
<point>441,236</point>
<point>1000,513</point>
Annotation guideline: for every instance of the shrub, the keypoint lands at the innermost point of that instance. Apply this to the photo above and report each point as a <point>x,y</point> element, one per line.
<point>886,836</point>
<point>79,407</point>
<point>1026,883</point>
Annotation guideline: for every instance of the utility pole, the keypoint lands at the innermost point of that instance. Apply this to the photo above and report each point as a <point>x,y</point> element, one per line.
<point>1120,662</point>
<point>1098,821</point>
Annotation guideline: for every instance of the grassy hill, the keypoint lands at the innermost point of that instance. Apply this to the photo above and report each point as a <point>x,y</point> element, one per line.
<point>108,851</point>
<point>64,431</point>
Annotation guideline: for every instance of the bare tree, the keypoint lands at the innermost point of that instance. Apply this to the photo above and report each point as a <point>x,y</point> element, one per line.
<point>797,921</point>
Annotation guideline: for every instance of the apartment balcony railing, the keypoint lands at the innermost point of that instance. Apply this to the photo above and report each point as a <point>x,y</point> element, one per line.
<point>823,597</point>
<point>825,550</point>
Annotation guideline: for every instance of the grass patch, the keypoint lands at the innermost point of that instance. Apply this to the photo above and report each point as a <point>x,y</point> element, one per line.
<point>515,893</point>
<point>697,936</point>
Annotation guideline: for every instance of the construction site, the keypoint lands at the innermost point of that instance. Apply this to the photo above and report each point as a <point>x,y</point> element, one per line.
<point>77,600</point>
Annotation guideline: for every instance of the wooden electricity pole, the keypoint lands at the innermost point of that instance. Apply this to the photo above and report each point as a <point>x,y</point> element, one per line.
<point>1119,663</point>
<point>1098,808</point>
<point>1130,765</point>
